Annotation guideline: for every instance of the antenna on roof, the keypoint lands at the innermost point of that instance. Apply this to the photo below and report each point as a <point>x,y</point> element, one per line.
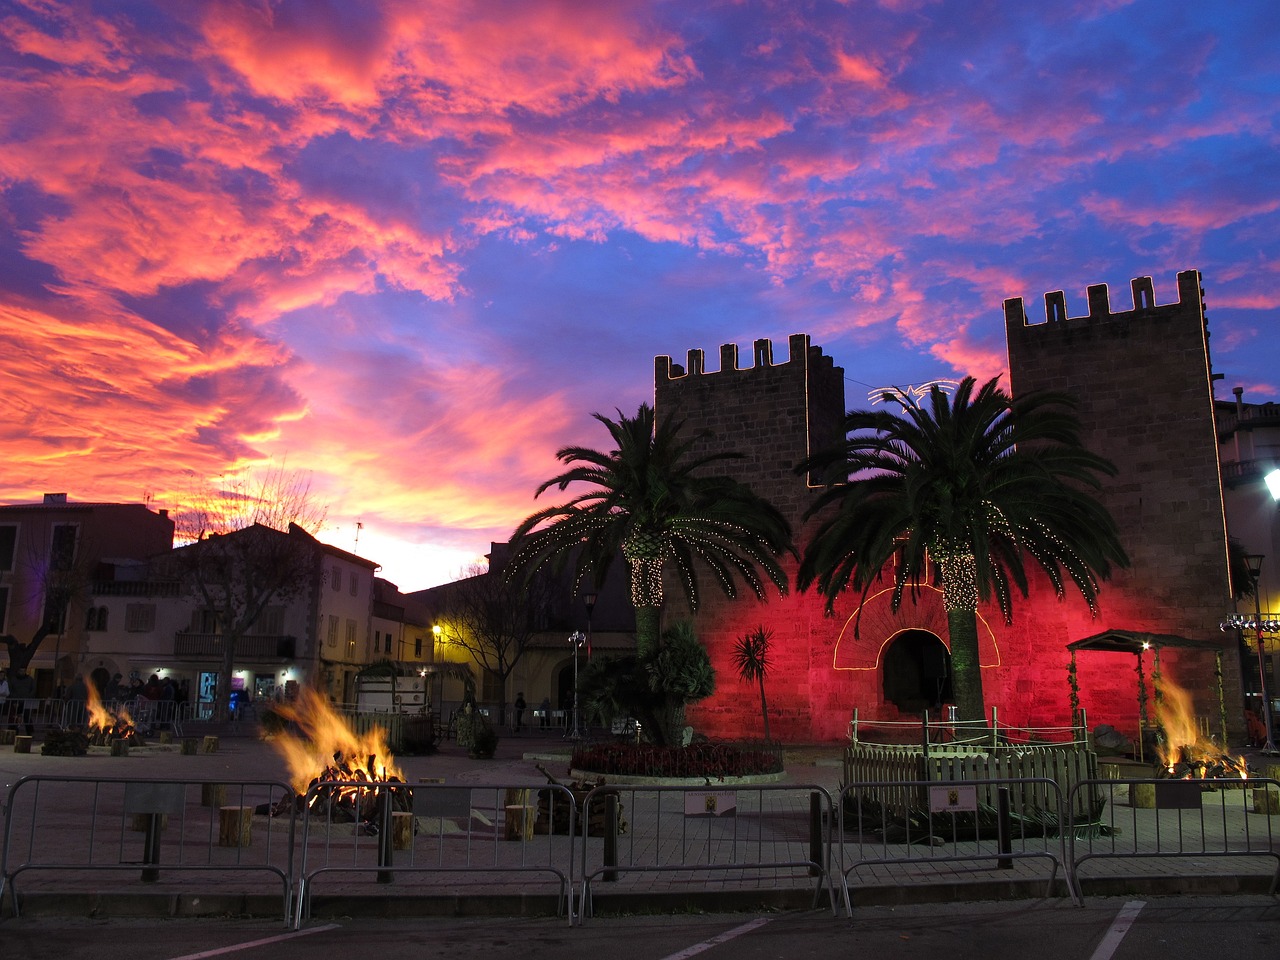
<point>359,527</point>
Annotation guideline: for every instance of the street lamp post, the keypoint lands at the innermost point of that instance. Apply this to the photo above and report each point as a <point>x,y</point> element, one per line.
<point>577,638</point>
<point>1254,561</point>
<point>589,600</point>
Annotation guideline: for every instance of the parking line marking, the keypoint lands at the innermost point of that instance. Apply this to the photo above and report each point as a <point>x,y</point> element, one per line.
<point>718,939</point>
<point>255,943</point>
<point>1119,927</point>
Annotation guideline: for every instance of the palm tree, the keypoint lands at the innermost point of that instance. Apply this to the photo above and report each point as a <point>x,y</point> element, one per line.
<point>751,660</point>
<point>979,483</point>
<point>652,500</point>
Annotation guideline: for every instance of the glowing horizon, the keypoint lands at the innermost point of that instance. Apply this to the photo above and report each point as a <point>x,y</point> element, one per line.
<point>411,245</point>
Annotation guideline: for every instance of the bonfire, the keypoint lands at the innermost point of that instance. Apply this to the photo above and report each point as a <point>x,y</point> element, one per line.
<point>1186,753</point>
<point>327,751</point>
<point>107,725</point>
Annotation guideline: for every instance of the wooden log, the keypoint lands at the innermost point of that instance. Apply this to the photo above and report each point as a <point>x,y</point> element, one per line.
<point>519,821</point>
<point>210,745</point>
<point>401,829</point>
<point>190,746</point>
<point>1269,772</point>
<point>22,743</point>
<point>119,747</point>
<point>1266,800</point>
<point>6,737</point>
<point>1142,796</point>
<point>213,794</point>
<point>166,736</point>
<point>138,821</point>
<point>235,826</point>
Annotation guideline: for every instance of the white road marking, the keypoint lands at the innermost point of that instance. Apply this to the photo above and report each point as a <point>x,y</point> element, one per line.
<point>725,937</point>
<point>255,943</point>
<point>1124,920</point>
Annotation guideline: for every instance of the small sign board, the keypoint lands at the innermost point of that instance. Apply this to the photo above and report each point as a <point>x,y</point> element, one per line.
<point>153,798</point>
<point>953,799</point>
<point>1178,795</point>
<point>711,803</point>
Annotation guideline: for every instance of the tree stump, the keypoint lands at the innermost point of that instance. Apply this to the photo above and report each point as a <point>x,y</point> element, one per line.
<point>190,746</point>
<point>235,826</point>
<point>139,822</point>
<point>119,748</point>
<point>166,736</point>
<point>22,743</point>
<point>1142,796</point>
<point>210,745</point>
<point>520,818</point>
<point>401,829</point>
<point>1266,800</point>
<point>213,794</point>
<point>6,737</point>
<point>1270,772</point>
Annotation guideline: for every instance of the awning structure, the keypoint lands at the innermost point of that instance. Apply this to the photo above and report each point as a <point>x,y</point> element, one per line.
<point>1138,642</point>
<point>1135,641</point>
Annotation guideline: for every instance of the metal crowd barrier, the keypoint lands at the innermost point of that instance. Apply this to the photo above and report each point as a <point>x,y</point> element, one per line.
<point>1187,819</point>
<point>993,821</point>
<point>145,830</point>
<point>429,834</point>
<point>706,832</point>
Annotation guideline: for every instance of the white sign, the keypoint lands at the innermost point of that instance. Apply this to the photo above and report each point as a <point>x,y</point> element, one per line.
<point>710,803</point>
<point>953,799</point>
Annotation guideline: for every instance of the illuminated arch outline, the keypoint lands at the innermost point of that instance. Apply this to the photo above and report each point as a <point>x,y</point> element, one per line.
<point>926,626</point>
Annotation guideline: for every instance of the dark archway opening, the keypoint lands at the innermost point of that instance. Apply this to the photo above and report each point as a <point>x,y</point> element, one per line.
<point>917,672</point>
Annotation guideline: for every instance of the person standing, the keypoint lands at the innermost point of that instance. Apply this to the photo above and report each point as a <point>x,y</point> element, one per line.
<point>520,706</point>
<point>22,690</point>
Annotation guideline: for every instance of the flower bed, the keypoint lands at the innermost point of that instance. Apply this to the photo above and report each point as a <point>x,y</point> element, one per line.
<point>713,760</point>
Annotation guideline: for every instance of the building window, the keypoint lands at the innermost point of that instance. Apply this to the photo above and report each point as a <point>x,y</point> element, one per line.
<point>270,622</point>
<point>203,620</point>
<point>417,647</point>
<point>96,618</point>
<point>141,618</point>
<point>335,577</point>
<point>8,546</point>
<point>62,548</point>
<point>354,581</point>
<point>388,650</point>
<point>490,687</point>
<point>4,606</point>
<point>332,638</point>
<point>351,637</point>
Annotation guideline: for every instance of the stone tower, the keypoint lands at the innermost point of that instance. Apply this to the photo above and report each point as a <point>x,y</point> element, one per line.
<point>1143,383</point>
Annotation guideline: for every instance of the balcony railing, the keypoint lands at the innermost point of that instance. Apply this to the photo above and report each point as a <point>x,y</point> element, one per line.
<point>1234,473</point>
<point>136,588</point>
<point>210,645</point>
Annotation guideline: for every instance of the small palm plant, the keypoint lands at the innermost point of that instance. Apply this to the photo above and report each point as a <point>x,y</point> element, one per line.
<point>751,660</point>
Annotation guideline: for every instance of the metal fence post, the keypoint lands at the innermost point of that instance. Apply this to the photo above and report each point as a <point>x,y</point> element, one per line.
<point>610,835</point>
<point>817,841</point>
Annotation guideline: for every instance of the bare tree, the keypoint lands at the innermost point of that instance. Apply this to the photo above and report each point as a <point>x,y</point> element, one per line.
<point>249,543</point>
<point>56,569</point>
<point>494,620</point>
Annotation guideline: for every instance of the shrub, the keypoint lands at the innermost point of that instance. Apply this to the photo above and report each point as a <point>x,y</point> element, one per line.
<point>712,760</point>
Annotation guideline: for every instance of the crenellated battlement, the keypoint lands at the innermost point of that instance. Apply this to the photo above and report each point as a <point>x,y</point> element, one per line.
<point>1190,294</point>
<point>762,358</point>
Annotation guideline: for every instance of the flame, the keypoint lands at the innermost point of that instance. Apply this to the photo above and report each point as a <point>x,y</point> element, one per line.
<point>1185,744</point>
<point>100,717</point>
<point>326,737</point>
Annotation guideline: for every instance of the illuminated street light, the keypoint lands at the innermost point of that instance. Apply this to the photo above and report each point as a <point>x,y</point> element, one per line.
<point>1273,483</point>
<point>577,638</point>
<point>1254,562</point>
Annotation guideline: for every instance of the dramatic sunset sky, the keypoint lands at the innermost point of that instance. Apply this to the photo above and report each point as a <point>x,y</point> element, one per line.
<point>411,245</point>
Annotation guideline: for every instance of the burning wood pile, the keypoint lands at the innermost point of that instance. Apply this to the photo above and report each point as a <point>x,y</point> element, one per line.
<point>1186,753</point>
<point>335,771</point>
<point>108,725</point>
<point>553,810</point>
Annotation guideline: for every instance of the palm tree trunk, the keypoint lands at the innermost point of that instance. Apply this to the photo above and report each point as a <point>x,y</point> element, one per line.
<point>648,630</point>
<point>764,708</point>
<point>966,675</point>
